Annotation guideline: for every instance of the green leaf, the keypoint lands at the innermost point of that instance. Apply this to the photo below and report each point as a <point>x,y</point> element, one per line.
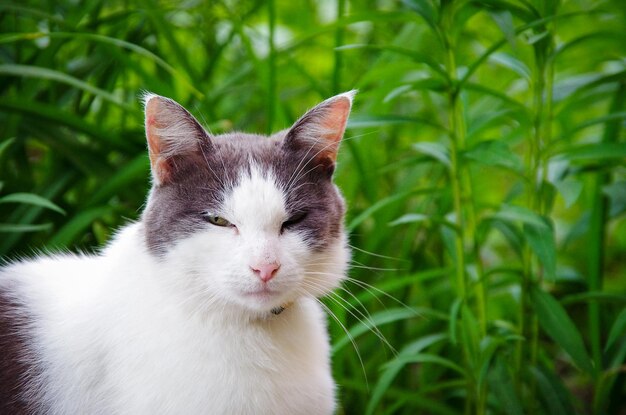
<point>6,144</point>
<point>558,325</point>
<point>522,112</point>
<point>17,228</point>
<point>77,225</point>
<point>421,218</point>
<point>603,36</point>
<point>425,9</point>
<point>435,150</point>
<point>616,192</point>
<point>377,319</point>
<point>410,218</point>
<point>367,121</point>
<point>31,199</point>
<point>39,111</point>
<point>425,358</point>
<point>383,203</point>
<point>605,119</point>
<point>98,38</point>
<point>555,395</point>
<point>391,369</point>
<point>453,319</point>
<point>618,329</point>
<point>504,20</point>
<point>594,296</point>
<point>500,380</point>
<point>570,190</point>
<point>135,170</point>
<point>413,54</point>
<point>495,153</point>
<point>497,45</point>
<point>541,241</point>
<point>594,153</point>
<point>28,71</point>
<point>383,288</point>
<point>514,214</point>
<point>512,63</point>
<point>483,120</point>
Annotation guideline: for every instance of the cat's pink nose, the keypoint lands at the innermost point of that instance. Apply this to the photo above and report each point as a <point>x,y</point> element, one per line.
<point>265,271</point>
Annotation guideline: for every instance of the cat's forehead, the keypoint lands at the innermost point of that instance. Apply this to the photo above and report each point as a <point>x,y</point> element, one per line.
<point>244,156</point>
<point>263,149</point>
<point>257,201</point>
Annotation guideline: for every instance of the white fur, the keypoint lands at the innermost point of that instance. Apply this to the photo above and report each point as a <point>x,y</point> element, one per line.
<point>125,333</point>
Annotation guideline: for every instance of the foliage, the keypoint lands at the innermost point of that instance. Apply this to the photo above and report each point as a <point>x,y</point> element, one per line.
<point>483,166</point>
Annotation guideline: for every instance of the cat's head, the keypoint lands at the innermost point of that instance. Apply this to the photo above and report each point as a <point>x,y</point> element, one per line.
<point>251,221</point>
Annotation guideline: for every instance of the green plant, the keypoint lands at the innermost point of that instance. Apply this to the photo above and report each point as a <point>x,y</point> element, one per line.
<point>483,168</point>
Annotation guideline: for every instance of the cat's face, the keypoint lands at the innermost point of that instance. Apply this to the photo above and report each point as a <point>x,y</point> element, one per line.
<point>252,221</point>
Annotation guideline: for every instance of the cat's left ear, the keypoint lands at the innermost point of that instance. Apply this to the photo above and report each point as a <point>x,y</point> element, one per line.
<point>174,137</point>
<point>321,129</point>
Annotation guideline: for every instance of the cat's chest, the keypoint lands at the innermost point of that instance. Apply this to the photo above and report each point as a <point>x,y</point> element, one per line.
<point>266,368</point>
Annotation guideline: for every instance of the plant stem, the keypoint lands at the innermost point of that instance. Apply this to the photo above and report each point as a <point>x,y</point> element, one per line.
<point>271,78</point>
<point>537,175</point>
<point>461,184</point>
<point>455,173</point>
<point>341,7</point>
<point>596,244</point>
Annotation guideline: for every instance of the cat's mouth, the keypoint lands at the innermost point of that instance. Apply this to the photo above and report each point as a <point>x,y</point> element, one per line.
<point>263,293</point>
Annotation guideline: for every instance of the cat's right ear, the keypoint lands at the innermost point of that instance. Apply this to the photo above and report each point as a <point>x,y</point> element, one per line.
<point>171,131</point>
<point>321,129</point>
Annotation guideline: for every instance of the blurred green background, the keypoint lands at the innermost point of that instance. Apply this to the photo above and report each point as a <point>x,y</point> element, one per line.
<point>484,169</point>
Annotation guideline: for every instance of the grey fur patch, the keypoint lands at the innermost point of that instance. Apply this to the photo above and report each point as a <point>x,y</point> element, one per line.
<point>202,180</point>
<point>16,375</point>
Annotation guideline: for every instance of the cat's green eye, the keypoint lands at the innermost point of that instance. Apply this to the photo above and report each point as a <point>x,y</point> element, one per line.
<point>216,220</point>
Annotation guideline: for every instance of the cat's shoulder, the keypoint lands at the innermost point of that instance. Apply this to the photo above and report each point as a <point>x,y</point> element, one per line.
<point>43,265</point>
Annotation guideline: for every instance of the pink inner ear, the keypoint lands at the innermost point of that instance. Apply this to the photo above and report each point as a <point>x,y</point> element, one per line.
<point>334,122</point>
<point>160,166</point>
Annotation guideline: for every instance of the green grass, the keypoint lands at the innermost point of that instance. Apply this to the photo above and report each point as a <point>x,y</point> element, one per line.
<point>484,169</point>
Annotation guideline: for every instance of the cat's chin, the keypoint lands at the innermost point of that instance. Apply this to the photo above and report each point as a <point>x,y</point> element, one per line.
<point>261,296</point>
<point>262,299</point>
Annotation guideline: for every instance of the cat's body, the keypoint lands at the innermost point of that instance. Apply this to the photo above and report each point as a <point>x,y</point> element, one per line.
<point>207,305</point>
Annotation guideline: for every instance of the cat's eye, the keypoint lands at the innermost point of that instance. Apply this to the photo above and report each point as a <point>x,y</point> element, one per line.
<point>216,220</point>
<point>293,220</point>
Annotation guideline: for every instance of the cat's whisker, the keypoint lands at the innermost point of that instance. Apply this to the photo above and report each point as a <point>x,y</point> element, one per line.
<point>367,287</point>
<point>296,171</point>
<point>292,190</point>
<point>346,305</point>
<point>356,264</point>
<point>326,147</point>
<point>208,164</point>
<point>299,169</point>
<point>304,173</point>
<point>375,254</point>
<point>350,337</point>
<point>363,266</point>
<point>345,278</point>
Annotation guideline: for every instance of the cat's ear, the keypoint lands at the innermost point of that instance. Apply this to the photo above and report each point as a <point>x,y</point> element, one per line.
<point>321,129</point>
<point>172,133</point>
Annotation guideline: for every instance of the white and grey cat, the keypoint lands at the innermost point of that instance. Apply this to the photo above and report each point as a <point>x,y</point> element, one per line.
<point>208,304</point>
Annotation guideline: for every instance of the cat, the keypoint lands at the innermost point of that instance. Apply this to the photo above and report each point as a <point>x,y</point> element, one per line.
<point>206,305</point>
